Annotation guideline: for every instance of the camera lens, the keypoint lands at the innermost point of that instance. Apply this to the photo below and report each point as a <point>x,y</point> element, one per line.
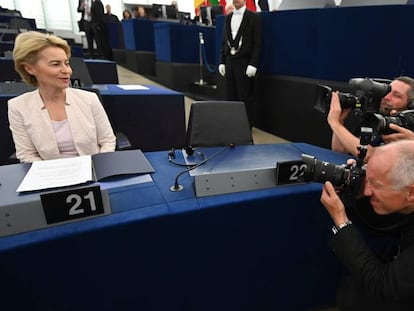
<point>321,171</point>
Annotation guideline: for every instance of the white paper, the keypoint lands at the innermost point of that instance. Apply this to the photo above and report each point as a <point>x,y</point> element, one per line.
<point>57,173</point>
<point>129,87</point>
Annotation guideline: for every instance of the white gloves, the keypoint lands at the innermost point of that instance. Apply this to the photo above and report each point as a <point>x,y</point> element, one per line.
<point>251,71</point>
<point>222,69</point>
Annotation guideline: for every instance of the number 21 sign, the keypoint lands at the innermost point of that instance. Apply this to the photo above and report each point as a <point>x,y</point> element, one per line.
<point>72,204</point>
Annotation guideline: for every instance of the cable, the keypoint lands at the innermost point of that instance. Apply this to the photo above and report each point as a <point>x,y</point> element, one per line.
<point>190,151</point>
<point>177,187</point>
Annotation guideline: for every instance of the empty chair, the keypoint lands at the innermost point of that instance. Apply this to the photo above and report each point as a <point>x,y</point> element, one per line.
<point>80,71</point>
<point>218,123</point>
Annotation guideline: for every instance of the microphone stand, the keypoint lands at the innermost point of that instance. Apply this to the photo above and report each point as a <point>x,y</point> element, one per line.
<point>177,187</point>
<point>200,54</point>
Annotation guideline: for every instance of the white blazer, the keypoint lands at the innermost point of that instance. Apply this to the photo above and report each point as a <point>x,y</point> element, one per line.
<point>33,134</point>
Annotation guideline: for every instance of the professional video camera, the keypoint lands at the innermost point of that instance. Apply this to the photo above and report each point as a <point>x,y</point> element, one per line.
<point>381,124</point>
<point>367,98</point>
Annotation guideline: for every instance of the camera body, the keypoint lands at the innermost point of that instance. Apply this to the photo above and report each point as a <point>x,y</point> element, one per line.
<point>367,97</point>
<point>347,178</point>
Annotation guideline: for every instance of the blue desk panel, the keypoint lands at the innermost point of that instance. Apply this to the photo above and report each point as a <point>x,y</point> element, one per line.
<point>255,250</point>
<point>138,34</point>
<point>178,43</point>
<point>115,35</point>
<point>152,119</point>
<point>338,43</point>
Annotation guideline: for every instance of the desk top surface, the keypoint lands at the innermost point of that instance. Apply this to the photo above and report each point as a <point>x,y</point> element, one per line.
<point>131,89</point>
<point>132,202</point>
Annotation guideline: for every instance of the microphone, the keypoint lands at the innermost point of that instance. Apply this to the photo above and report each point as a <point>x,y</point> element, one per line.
<point>190,151</point>
<point>177,187</point>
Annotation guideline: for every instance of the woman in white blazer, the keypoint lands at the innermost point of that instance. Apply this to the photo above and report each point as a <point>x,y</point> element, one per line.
<point>54,121</point>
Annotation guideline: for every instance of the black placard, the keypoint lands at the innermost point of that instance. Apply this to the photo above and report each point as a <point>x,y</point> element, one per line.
<point>72,204</point>
<point>290,172</point>
<point>75,83</point>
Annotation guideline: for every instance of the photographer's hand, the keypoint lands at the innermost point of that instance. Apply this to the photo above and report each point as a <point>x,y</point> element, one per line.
<point>333,204</point>
<point>342,139</point>
<point>402,133</point>
<point>336,115</point>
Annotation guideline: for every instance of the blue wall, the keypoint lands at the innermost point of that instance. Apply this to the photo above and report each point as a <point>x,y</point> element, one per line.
<point>337,43</point>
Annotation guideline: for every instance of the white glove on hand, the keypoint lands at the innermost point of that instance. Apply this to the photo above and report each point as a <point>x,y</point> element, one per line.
<point>222,69</point>
<point>251,71</point>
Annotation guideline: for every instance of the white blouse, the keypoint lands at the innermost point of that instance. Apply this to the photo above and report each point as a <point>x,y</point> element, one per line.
<point>64,139</point>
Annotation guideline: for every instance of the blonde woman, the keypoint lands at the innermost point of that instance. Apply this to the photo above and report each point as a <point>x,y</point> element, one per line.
<point>54,121</point>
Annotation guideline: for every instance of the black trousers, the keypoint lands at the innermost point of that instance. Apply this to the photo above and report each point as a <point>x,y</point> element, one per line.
<point>102,41</point>
<point>89,37</point>
<point>239,86</point>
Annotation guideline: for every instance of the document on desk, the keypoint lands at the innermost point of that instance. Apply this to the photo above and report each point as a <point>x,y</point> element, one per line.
<point>131,87</point>
<point>57,173</point>
<point>78,170</point>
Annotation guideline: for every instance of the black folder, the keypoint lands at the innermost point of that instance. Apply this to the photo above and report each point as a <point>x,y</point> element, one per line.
<point>108,165</point>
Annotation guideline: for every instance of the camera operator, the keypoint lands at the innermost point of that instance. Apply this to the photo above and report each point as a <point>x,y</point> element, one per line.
<point>400,97</point>
<point>375,284</point>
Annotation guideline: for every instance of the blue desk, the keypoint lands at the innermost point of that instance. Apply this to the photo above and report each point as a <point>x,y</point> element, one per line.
<point>337,43</point>
<point>138,34</point>
<point>153,119</point>
<point>256,250</point>
<point>115,35</point>
<point>170,45</point>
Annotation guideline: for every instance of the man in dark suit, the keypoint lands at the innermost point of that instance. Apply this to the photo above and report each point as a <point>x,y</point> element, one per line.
<point>240,55</point>
<point>100,29</point>
<point>84,7</point>
<point>109,17</point>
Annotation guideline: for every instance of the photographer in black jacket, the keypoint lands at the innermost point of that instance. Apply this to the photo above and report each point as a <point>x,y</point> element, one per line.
<point>375,284</point>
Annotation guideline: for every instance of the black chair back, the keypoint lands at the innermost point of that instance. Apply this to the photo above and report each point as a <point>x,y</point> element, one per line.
<point>218,123</point>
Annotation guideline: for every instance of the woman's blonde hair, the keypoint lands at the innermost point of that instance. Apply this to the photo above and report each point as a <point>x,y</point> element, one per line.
<point>27,47</point>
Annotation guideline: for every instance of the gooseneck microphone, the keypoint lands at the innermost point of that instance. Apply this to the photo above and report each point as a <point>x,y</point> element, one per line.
<point>177,187</point>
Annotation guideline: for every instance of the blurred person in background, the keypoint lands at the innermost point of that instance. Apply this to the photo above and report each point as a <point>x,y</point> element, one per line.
<point>84,7</point>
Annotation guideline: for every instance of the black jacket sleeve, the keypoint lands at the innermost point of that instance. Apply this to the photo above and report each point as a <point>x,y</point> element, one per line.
<point>393,281</point>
